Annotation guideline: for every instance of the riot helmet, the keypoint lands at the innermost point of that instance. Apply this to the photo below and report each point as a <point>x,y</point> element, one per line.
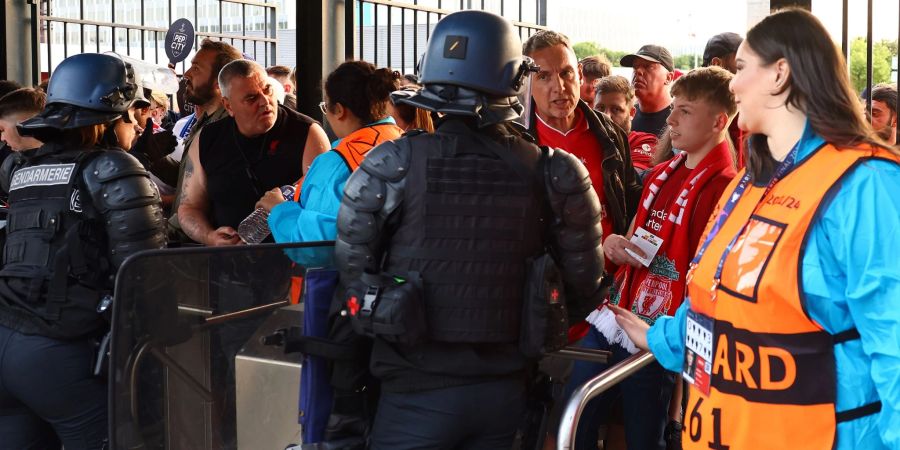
<point>86,89</point>
<point>473,66</point>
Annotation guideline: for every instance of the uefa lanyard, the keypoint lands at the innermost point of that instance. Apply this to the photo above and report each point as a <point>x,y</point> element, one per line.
<point>733,199</point>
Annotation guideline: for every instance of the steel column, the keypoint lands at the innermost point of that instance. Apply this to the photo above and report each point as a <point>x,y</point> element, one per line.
<point>845,33</point>
<point>869,57</point>
<point>323,28</point>
<point>3,61</point>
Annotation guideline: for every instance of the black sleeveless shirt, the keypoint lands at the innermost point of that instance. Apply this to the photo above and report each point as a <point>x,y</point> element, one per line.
<point>239,170</point>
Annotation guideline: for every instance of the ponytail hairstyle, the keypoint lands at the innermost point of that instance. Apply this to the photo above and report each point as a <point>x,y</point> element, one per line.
<point>361,88</point>
<point>818,85</point>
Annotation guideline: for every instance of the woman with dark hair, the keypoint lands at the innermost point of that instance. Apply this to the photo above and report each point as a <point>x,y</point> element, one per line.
<point>356,107</point>
<point>791,323</point>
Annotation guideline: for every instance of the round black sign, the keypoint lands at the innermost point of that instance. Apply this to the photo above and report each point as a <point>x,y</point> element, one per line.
<point>179,40</point>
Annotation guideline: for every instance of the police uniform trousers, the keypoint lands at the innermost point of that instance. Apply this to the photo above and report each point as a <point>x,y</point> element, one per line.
<point>469,417</point>
<point>47,389</point>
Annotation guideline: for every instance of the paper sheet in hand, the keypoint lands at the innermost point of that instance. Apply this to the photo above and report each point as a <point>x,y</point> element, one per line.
<point>647,242</point>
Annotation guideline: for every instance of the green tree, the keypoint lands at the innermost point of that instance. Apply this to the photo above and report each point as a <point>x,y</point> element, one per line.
<point>585,49</point>
<point>614,55</point>
<point>891,45</point>
<point>686,62</point>
<point>881,63</point>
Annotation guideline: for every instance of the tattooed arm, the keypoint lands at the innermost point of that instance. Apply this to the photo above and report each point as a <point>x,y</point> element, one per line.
<point>193,213</point>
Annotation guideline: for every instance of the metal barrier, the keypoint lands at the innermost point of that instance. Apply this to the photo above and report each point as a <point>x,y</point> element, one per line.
<point>138,28</point>
<point>394,34</point>
<point>594,387</point>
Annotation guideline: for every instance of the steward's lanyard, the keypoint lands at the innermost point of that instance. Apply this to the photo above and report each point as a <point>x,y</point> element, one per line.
<point>733,199</point>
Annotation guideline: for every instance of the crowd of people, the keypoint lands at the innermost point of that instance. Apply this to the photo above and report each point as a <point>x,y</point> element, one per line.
<point>737,220</point>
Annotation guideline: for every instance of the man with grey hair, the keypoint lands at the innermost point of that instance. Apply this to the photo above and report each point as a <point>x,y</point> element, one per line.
<point>561,119</point>
<point>234,161</point>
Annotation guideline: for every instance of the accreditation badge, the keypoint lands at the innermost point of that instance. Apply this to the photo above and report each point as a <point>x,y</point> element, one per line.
<point>698,351</point>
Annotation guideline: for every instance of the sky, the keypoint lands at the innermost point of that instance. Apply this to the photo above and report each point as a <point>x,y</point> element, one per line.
<point>683,26</point>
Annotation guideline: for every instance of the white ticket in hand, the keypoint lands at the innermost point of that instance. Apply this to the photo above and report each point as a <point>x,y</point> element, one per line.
<point>648,242</point>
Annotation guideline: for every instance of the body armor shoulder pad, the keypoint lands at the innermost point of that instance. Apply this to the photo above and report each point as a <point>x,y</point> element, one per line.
<point>116,180</point>
<point>567,174</point>
<point>9,166</point>
<point>364,191</point>
<point>112,164</point>
<point>389,160</point>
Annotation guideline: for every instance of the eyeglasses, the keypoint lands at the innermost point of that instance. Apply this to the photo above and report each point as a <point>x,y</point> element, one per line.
<point>323,108</point>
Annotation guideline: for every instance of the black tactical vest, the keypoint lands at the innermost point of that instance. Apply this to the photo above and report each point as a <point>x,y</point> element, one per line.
<point>55,265</point>
<point>471,217</point>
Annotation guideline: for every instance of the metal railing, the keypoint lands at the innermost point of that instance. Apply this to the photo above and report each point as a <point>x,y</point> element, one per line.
<point>395,34</point>
<point>62,28</point>
<point>594,387</point>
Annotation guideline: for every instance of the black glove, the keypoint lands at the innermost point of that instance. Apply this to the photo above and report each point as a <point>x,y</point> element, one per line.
<point>673,435</point>
<point>151,147</point>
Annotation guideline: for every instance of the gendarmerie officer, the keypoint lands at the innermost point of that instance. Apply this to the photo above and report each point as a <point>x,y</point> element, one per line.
<point>446,244</point>
<point>76,211</point>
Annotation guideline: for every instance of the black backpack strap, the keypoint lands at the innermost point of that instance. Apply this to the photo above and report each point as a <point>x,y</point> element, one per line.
<point>844,336</point>
<point>856,413</point>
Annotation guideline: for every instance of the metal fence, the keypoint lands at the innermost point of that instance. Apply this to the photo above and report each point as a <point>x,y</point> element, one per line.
<point>395,34</point>
<point>137,28</point>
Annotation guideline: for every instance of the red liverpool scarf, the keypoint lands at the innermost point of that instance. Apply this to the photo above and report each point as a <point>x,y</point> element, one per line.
<point>651,292</point>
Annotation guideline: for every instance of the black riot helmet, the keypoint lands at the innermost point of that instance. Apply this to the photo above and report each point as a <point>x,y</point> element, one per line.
<point>85,89</point>
<point>473,66</point>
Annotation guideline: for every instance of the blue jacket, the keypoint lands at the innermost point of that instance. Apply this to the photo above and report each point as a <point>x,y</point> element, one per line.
<point>314,217</point>
<point>851,277</point>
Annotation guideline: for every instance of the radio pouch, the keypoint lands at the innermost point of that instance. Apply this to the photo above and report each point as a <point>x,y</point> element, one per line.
<point>388,307</point>
<point>545,322</point>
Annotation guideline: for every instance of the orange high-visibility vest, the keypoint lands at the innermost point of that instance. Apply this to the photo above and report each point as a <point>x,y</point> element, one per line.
<point>356,145</point>
<point>773,381</point>
<point>353,150</point>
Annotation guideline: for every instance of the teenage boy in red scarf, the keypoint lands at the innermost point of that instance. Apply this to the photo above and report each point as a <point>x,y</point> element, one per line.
<point>675,205</point>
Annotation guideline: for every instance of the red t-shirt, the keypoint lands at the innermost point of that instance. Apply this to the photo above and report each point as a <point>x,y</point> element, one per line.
<point>705,202</point>
<point>641,145</point>
<point>582,143</point>
<point>737,136</point>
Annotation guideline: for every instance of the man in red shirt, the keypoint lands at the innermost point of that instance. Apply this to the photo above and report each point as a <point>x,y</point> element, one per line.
<point>615,97</point>
<point>562,120</point>
<point>677,201</point>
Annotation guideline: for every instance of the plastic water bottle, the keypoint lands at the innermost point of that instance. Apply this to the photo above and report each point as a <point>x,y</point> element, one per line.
<point>255,228</point>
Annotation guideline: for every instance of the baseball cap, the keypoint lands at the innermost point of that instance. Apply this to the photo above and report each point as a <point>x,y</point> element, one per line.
<point>721,45</point>
<point>655,53</point>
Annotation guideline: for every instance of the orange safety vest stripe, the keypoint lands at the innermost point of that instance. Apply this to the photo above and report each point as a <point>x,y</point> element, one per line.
<point>354,147</point>
<point>353,150</point>
<point>773,375</point>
